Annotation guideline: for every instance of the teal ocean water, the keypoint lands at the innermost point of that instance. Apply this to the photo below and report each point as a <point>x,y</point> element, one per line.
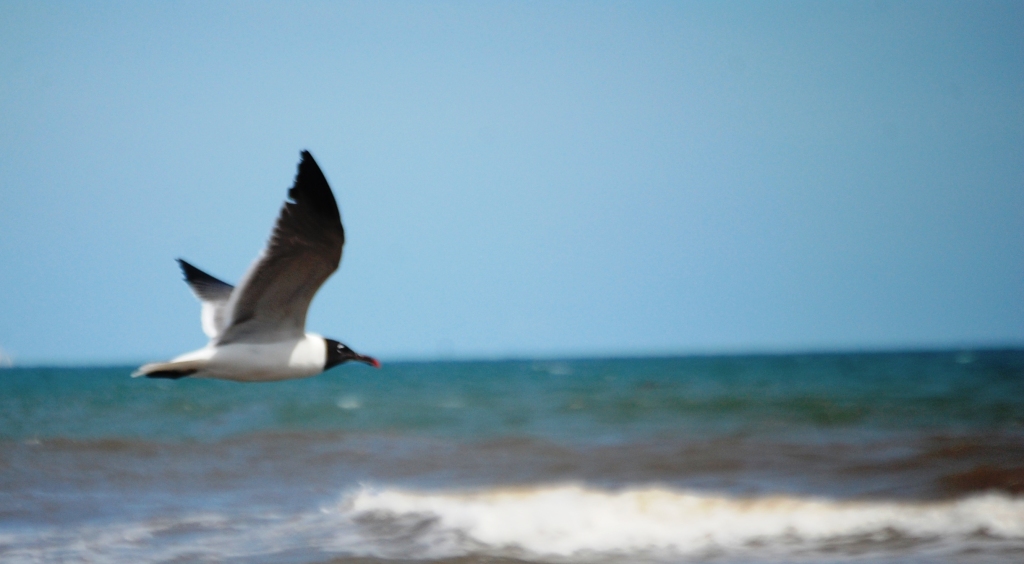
<point>887,457</point>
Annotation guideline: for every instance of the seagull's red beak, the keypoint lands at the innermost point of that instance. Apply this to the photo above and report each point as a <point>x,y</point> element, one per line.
<point>369,360</point>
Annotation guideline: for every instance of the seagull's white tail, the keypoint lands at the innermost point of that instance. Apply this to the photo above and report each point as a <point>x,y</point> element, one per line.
<point>172,370</point>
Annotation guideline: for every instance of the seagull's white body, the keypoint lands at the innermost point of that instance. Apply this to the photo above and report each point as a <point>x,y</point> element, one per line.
<point>260,362</point>
<point>257,329</point>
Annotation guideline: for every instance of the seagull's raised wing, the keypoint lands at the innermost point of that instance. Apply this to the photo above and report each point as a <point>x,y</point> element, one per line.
<point>213,294</point>
<point>271,301</point>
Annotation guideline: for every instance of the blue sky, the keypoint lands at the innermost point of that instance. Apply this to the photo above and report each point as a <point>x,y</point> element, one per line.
<point>520,179</point>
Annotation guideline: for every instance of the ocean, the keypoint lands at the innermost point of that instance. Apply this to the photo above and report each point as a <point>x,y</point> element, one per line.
<point>880,457</point>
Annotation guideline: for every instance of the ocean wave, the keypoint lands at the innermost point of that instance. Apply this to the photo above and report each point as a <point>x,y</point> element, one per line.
<point>568,520</point>
<point>553,523</point>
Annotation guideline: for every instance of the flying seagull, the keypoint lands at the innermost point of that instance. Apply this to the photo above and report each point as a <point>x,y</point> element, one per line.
<point>257,330</point>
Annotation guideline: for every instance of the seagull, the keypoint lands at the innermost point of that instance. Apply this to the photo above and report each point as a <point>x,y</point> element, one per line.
<point>257,329</point>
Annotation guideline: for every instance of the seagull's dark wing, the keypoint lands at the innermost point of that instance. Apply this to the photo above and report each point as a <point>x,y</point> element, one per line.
<point>213,294</point>
<point>270,303</point>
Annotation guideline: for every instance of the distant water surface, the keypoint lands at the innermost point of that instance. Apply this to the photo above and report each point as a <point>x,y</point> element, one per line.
<point>899,457</point>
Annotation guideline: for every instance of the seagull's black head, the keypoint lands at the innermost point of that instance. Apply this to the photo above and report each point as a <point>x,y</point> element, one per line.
<point>338,353</point>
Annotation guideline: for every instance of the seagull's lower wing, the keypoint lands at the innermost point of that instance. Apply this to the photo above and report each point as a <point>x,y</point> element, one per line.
<point>213,294</point>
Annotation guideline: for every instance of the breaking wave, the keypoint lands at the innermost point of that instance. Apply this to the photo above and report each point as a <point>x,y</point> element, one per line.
<point>572,520</point>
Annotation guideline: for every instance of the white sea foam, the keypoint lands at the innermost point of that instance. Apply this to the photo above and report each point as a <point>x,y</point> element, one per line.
<point>349,402</point>
<point>562,523</point>
<point>570,519</point>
